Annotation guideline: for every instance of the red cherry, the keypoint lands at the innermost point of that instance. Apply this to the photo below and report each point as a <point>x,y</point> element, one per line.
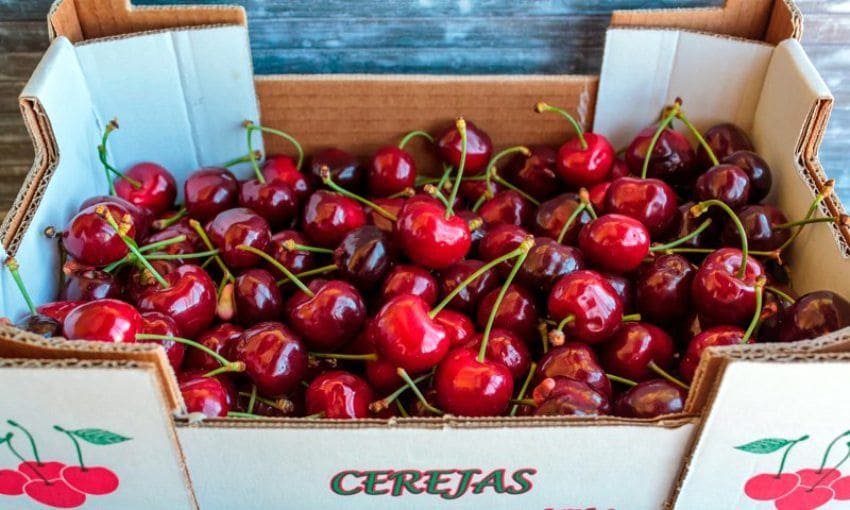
<point>209,191</point>
<point>257,297</point>
<point>841,488</point>
<point>719,295</point>
<point>467,299</point>
<point>156,323</point>
<point>650,399</point>
<point>814,314</point>
<point>383,376</point>
<point>672,159</point>
<point>631,349</point>
<point>506,207</point>
<point>471,191</point>
<point>364,256</point>
<point>547,262</point>
<point>615,243</point>
<point>596,195</point>
<point>517,312</point>
<point>726,183</point>
<point>575,361</point>
<point>90,284</point>
<point>759,222</point>
<point>468,387</point>
<point>219,339</point>
<point>274,200</point>
<point>802,498</point>
<point>329,216</point>
<point>504,347</point>
<point>104,320</point>
<point>459,327</point>
<point>156,191</point>
<point>430,239</point>
<point>534,174</point>
<point>770,486</point>
<point>205,395</point>
<point>663,289</point>
<point>406,335</point>
<point>190,298</point>
<point>58,310</point>
<point>553,214</point>
<point>391,170</point>
<point>339,395</point>
<point>410,279</point>
<point>12,482</point>
<point>757,171</point>
<point>295,260</point>
<point>343,166</point>
<point>141,218</point>
<point>56,493</point>
<point>623,287</point>
<point>328,318</point>
<point>479,148</point>
<point>585,160</point>
<point>36,471</point>
<point>712,337</point>
<point>235,227</point>
<point>274,356</point>
<point>95,480</point>
<point>562,396</point>
<point>279,167</point>
<point>724,139</point>
<point>393,206</point>
<point>92,241</point>
<point>500,240</point>
<point>650,201</point>
<point>590,299</point>
<point>822,477</point>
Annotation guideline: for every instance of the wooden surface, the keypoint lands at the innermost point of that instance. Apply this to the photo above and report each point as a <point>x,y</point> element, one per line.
<point>423,36</point>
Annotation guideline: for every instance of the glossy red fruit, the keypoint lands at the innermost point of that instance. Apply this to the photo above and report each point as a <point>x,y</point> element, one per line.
<point>344,167</point>
<point>663,289</point>
<point>562,396</point>
<point>802,498</point>
<point>650,201</point>
<point>724,139</point>
<point>58,310</point>
<point>332,316</point>
<point>584,167</point>
<point>614,242</point>
<point>504,347</point>
<point>157,189</point>
<point>404,334</point>
<point>712,337</point>
<point>90,240</point>
<point>506,207</point>
<point>390,205</point>
<point>391,170</point>
<point>534,174</point>
<point>815,314</point>
<point>467,299</point>
<point>275,357</point>
<point>279,167</point>
<point>501,240</point>
<point>364,256</point>
<point>383,376</point>
<point>12,482</point>
<point>468,387</point>
<point>94,480</point>
<point>650,399</point>
<point>553,214</point>
<point>235,227</point>
<point>719,295</point>
<point>90,284</point>
<point>759,222</point>
<point>274,200</point>
<point>479,148</point>
<point>672,159</point>
<point>257,297</point>
<point>190,298</point>
<point>757,170</point>
<point>209,191</point>
<point>770,486</point>
<point>156,323</point>
<point>547,262</point>
<point>596,195</point>
<point>576,361</point>
<point>141,218</point>
<point>220,339</point>
<point>410,279</point>
<point>339,395</point>
<point>104,320</point>
<point>329,216</point>
<point>430,239</point>
<point>631,349</point>
<point>56,493</point>
<point>726,183</point>
<point>517,312</point>
<point>205,395</point>
<point>459,327</point>
<point>596,306</point>
<point>296,261</point>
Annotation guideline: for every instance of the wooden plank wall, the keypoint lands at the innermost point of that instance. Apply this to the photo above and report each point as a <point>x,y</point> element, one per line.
<point>423,36</point>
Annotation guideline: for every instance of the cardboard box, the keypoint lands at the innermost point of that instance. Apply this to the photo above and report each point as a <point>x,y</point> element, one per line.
<point>181,82</point>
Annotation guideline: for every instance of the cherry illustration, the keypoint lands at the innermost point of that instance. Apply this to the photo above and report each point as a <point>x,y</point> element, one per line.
<point>274,356</point>
<point>56,493</point>
<point>12,482</point>
<point>95,480</point>
<point>769,486</point>
<point>802,498</point>
<point>210,191</point>
<point>841,488</point>
<point>339,395</point>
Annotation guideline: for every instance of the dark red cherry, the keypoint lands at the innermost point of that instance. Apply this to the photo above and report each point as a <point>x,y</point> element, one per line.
<point>458,326</point>
<point>687,223</point>
<point>578,166</point>
<point>547,262</point>
<point>295,260</point>
<point>471,191</point>
<point>192,244</point>
<point>815,314</point>
<point>726,183</point>
<point>650,201</point>
<point>364,256</point>
<point>382,376</point>
<point>468,387</point>
<point>467,299</point>
<point>156,323</point>
<point>273,200</point>
<point>631,349</point>
<point>479,148</point>
<point>329,216</point>
<point>575,361</point>
<point>504,347</point>
<point>220,339</point>
<point>759,222</point>
<point>104,320</point>
<point>506,207</point>
<point>339,395</point>
<point>624,287</point>
<point>501,240</point>
<point>209,191</point>
<point>650,399</point>
<point>90,284</point>
<point>774,310</point>
<point>92,241</point>
<point>279,167</point>
<point>154,188</point>
<point>40,324</point>
<point>391,171</point>
<point>235,227</point>
<point>663,289</point>
<point>590,299</point>
<point>477,234</point>
<point>410,279</point>
<point>344,168</point>
<point>142,218</point>
<point>619,169</point>
<point>713,337</point>
<point>672,160</point>
<point>205,395</point>
<point>562,396</point>
<point>596,195</point>
<point>614,242</point>
<point>407,336</point>
<point>719,295</point>
<point>390,205</point>
<point>257,297</point>
<point>534,174</point>
<point>724,139</point>
<point>139,279</point>
<point>274,356</point>
<point>430,239</point>
<point>190,298</point>
<point>553,214</point>
<point>517,312</point>
<point>330,317</point>
<point>757,170</point>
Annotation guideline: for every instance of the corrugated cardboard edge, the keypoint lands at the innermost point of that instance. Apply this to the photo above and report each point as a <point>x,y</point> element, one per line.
<point>117,364</point>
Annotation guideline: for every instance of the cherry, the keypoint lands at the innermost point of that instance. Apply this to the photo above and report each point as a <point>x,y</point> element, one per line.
<point>773,313</point>
<point>535,174</point>
<point>553,214</point>
<point>585,160</point>
<point>329,216</point>
<point>672,159</point>
<point>205,395</point>
<point>547,262</point>
<point>504,347</point>
<point>596,195</point>
<point>392,169</point>
<point>235,227</point>
<point>770,486</point>
<point>577,361</point>
<point>377,217</point>
<point>274,200</point>
<point>712,337</point>
<point>562,396</point>
<point>822,476</point>
<point>12,482</point>
<point>210,191</point>
<point>327,314</point>
<point>339,395</point>
<point>90,284</point>
<point>841,488</point>
<point>410,279</point>
<point>506,207</point>
<point>274,356</point>
<point>757,170</point>
<point>516,313</point>
<point>726,183</point>
<point>56,493</point>
<point>382,375</point>
<point>588,304</point>
<point>282,168</point>
<point>650,399</point>
<point>344,168</point>
<point>141,218</point>
<point>803,498</point>
<point>189,298</point>
<point>156,323</point>
<point>35,470</point>
<point>688,226</point>
<point>663,289</point>
<point>95,480</point>
<point>257,297</point>
<point>92,241</point>
<point>430,236</point>
<point>814,314</point>
<point>468,297</point>
<point>294,259</point>
<point>479,190</point>
<point>364,256</point>
<point>723,139</point>
<point>148,185</point>
<point>58,310</point>
<point>650,201</point>
<point>623,287</point>
<point>478,150</point>
<point>220,339</point>
<point>406,335</point>
<point>615,243</point>
<point>468,386</point>
<point>104,320</point>
<point>458,326</point>
<point>760,222</point>
<point>633,347</point>
<point>720,294</point>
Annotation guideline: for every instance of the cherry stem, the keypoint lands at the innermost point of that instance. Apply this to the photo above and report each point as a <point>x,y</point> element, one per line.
<point>325,173</point>
<point>569,223</point>
<point>524,388</point>
<point>700,209</point>
<point>249,134</point>
<point>682,240</point>
<point>460,123</point>
<point>791,224</point>
<point>162,244</point>
<point>435,192</point>
<point>280,267</point>
<point>524,248</point>
<point>13,267</point>
<point>291,245</point>
<point>664,124</point>
<point>632,317</point>
<point>8,440</point>
<point>780,293</point>
<point>492,172</point>
<point>196,226</point>
<point>447,172</point>
<point>412,384</point>
<point>787,451</point>
<point>566,320</point>
<point>681,116</point>
<point>111,126</point>
<point>772,254</point>
<point>171,220</point>
<point>242,159</point>
<point>754,322</point>
<point>351,357</point>
<point>316,416</point>
<point>401,410</point>
<point>29,437</point>
<point>405,193</point>
<point>185,341</point>
<point>584,196</point>
<point>829,449</point>
<point>842,461</point>
<point>104,213</point>
<point>379,405</point>
<point>76,445</point>
<point>543,329</point>
<point>412,135</point>
<point>250,126</point>
<point>621,380</point>
<point>825,192</point>
<point>543,107</point>
<point>252,398</point>
<point>181,256</point>
<point>233,366</point>
<point>245,416</point>
<point>523,402</point>
<point>666,375</point>
<point>310,272</point>
<point>483,198</point>
<point>283,405</point>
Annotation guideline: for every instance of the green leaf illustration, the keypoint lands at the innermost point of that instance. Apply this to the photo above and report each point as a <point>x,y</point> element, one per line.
<point>99,436</point>
<point>762,446</point>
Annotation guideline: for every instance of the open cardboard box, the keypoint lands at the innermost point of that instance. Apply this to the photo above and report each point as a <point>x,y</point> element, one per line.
<point>180,80</point>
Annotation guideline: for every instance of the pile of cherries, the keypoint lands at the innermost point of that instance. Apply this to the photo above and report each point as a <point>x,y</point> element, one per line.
<point>534,281</point>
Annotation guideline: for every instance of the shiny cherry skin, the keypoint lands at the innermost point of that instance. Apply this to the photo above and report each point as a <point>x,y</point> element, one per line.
<point>576,361</point>
<point>90,284</point>
<point>209,191</point>
<point>391,170</point>
<point>430,239</point>
<point>275,357</point>
<point>724,139</point>
<point>596,306</point>
<point>92,241</point>
<point>663,289</point>
<point>815,314</point>
<point>547,262</point>
<point>57,310</point>
<point>344,167</point>
<point>619,169</point>
<point>103,320</point>
<point>726,183</point>
<point>329,216</point>
<point>220,339</point>
<point>719,296</point>
<point>535,174</point>
<point>339,395</point>
<point>156,323</point>
<point>596,195</point>
<point>157,189</point>
<point>192,244</point>
<point>190,298</point>
<point>479,148</point>
<point>773,312</point>
<point>297,261</point>
<point>504,347</point>
<point>759,222</point>
<point>631,349</point>
<point>624,288</point>
<point>506,207</point>
<point>562,396</point>
<point>364,256</point>
<point>410,279</point>
<point>471,191</point>
<point>687,223</point>
<point>672,160</point>
<point>757,170</point>
<point>650,201</point>
<point>205,395</point>
<point>501,240</point>
<point>332,316</point>
<point>257,297</point>
<point>615,243</point>
<point>273,200</point>
<point>142,218</point>
<point>517,313</point>
<point>459,327</point>
<point>139,280</point>
<point>553,214</point>
<point>583,167</point>
<point>467,299</point>
<point>235,227</point>
<point>650,399</point>
<point>405,334</point>
<point>468,387</point>
<point>717,336</point>
<point>279,167</point>
<point>392,206</point>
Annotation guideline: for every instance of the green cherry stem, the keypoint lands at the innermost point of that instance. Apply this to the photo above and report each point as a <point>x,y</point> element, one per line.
<point>700,209</point>
<point>681,116</point>
<point>487,195</point>
<point>413,134</point>
<point>14,269</point>
<point>249,135</point>
<point>825,192</point>
<point>379,405</point>
<point>621,380</point>
<point>162,244</point>
<point>772,254</point>
<point>233,366</point>
<point>104,213</point>
<point>842,461</point>
<point>825,219</point>
<point>632,317</point>
<point>524,388</point>
<point>196,226</point>
<point>435,192</point>
<point>291,245</point>
<point>280,267</point>
<point>412,384</point>
<point>460,124</point>
<point>111,126</point>
<point>829,449</point>
<point>250,126</point>
<point>787,451</point>
<point>492,172</point>
<point>401,410</point>
<point>76,445</point>
<point>557,337</point>
<point>242,159</point>
<point>664,124</point>
<point>244,416</point>
<point>584,196</point>
<point>754,322</point>
<point>171,220</point>
<point>523,402</point>
<point>8,440</point>
<point>283,405</point>
<point>310,272</point>
<point>780,293</point>
<point>348,357</point>
<point>543,329</point>
<point>569,223</point>
<point>317,416</point>
<point>181,256</point>
<point>325,173</point>
<point>666,375</point>
<point>252,398</point>
<point>191,343</point>
<point>684,239</point>
<point>543,107</point>
<point>26,432</point>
